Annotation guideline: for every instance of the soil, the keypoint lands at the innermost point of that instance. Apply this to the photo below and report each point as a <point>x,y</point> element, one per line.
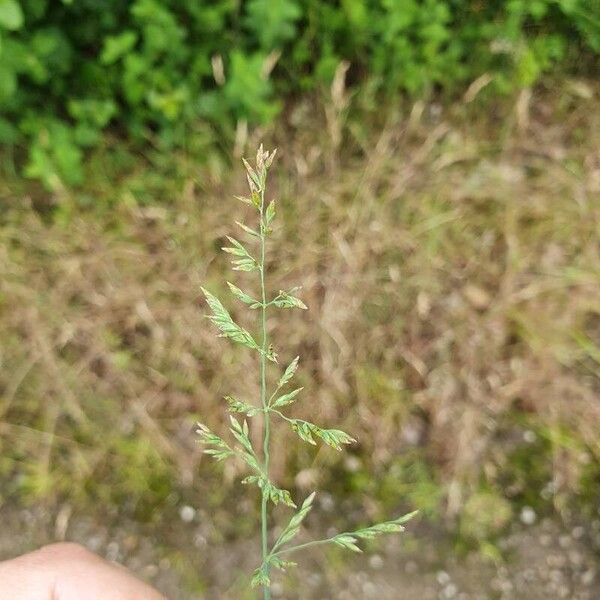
<point>546,560</point>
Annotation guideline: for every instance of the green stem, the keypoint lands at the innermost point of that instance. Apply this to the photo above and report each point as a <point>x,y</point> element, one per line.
<point>302,546</point>
<point>274,410</point>
<point>263,394</point>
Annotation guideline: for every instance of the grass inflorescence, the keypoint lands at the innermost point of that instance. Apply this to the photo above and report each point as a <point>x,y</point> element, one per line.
<point>271,405</point>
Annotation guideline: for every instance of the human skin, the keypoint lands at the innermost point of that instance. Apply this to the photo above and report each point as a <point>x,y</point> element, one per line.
<point>68,571</point>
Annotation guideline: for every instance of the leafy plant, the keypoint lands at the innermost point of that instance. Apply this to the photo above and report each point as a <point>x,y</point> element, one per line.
<point>156,69</point>
<point>271,405</point>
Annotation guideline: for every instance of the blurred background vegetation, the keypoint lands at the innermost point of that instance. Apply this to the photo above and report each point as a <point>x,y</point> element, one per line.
<point>439,190</point>
<point>174,74</point>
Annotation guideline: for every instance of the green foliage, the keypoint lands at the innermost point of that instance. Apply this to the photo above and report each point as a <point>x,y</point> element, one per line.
<point>332,437</point>
<point>268,406</point>
<point>349,540</point>
<point>273,22</point>
<point>293,527</point>
<point>222,319</point>
<point>288,373</point>
<point>287,300</point>
<point>69,70</point>
<point>286,398</point>
<point>11,15</point>
<point>485,515</point>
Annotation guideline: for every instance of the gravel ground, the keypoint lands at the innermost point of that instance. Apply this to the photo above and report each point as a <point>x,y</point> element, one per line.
<point>542,561</point>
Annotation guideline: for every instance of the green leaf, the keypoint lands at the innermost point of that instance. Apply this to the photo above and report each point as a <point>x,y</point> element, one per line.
<point>226,325</point>
<point>271,354</point>
<point>240,432</point>
<point>275,494</point>
<point>261,577</point>
<point>251,479</point>
<point>270,213</point>
<point>237,249</point>
<point>286,398</point>
<point>283,565</point>
<point>304,431</point>
<point>332,437</point>
<point>286,300</point>
<point>273,22</point>
<point>117,46</point>
<point>254,178</point>
<point>293,527</point>
<point>8,86</point>
<point>245,264</point>
<point>270,158</point>
<point>220,449</point>
<point>346,541</point>
<point>246,452</point>
<point>251,460</point>
<point>289,372</point>
<point>239,406</point>
<point>11,15</point>
<point>407,517</point>
<point>240,295</point>
<point>234,251</point>
<point>245,261</point>
<point>247,229</point>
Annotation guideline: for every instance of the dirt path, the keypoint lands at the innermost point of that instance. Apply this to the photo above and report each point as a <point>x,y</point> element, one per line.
<point>544,561</point>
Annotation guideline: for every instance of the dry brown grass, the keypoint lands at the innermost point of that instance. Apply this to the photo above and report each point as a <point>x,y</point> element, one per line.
<point>451,265</point>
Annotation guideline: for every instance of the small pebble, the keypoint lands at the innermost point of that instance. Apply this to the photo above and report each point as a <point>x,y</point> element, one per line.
<point>150,571</point>
<point>450,591</point>
<point>529,575</point>
<point>326,502</point>
<point>187,514</point>
<point>112,551</point>
<point>94,543</point>
<point>588,577</point>
<point>575,558</point>
<point>352,464</point>
<point>556,576</point>
<point>276,589</point>
<point>564,541</point>
<point>556,561</point>
<point>528,516</point>
<point>370,590</point>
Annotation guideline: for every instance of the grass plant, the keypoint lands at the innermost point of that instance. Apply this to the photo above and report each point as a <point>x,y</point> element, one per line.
<point>275,550</point>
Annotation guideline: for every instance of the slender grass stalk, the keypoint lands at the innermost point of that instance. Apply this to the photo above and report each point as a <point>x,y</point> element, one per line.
<point>271,405</point>
<point>263,392</point>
